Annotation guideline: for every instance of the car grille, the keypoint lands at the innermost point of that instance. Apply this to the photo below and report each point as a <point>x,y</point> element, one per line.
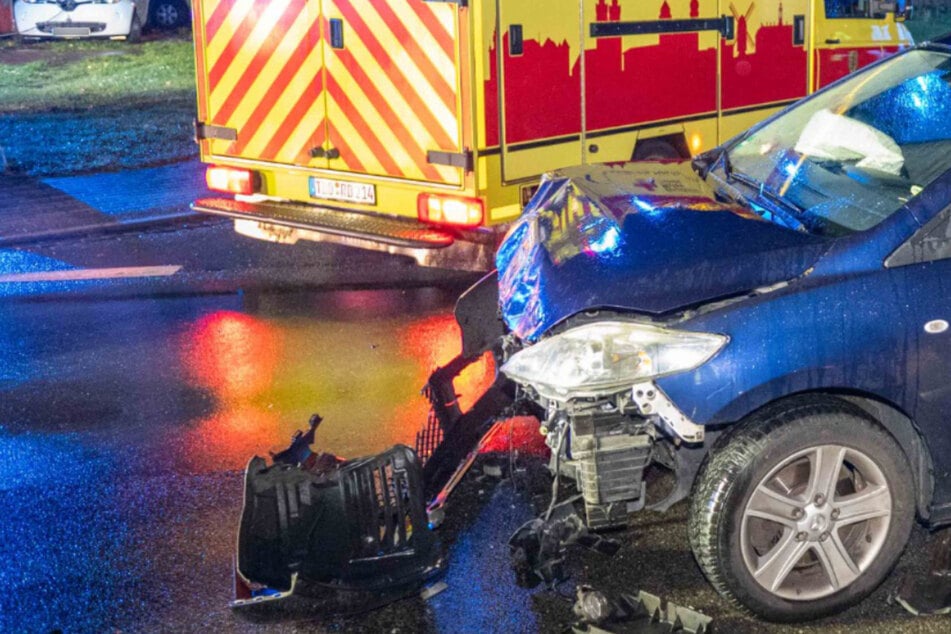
<point>71,28</point>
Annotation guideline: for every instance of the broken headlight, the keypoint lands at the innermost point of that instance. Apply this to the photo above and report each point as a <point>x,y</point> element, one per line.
<point>606,357</point>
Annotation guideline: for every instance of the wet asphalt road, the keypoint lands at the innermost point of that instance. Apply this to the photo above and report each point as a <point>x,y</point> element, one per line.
<point>128,408</point>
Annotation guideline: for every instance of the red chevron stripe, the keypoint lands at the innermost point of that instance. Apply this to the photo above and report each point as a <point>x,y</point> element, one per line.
<point>427,16</point>
<point>233,46</point>
<point>293,117</point>
<point>388,114</point>
<point>423,60</point>
<point>362,128</point>
<point>349,156</point>
<point>222,9</point>
<point>274,91</point>
<point>415,102</point>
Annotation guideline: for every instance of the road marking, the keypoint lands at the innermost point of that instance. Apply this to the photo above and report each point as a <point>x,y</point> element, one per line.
<point>72,275</point>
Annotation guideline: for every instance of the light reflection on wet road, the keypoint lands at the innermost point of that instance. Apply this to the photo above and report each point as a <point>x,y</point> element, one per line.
<point>124,426</point>
<point>358,358</point>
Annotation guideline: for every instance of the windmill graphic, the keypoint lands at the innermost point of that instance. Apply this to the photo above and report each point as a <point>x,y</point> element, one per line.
<point>743,37</point>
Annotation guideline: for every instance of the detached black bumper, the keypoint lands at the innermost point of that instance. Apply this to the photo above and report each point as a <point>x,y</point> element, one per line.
<point>361,527</point>
<point>314,524</point>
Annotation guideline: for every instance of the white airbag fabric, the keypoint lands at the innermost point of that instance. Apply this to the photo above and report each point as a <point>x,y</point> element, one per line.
<point>835,137</point>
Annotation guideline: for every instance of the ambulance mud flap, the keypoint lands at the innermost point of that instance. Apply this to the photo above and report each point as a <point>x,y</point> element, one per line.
<point>351,534</point>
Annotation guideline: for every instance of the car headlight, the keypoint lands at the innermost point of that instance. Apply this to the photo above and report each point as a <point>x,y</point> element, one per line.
<point>606,357</point>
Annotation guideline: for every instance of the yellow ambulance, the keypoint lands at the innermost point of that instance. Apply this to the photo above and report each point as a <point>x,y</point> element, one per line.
<point>420,127</point>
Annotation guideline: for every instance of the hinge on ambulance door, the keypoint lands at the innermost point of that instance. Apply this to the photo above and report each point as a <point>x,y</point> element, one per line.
<point>452,159</point>
<point>209,131</point>
<point>728,28</point>
<point>461,3</point>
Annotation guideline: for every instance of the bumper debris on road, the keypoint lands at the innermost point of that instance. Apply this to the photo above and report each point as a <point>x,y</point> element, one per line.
<point>641,613</point>
<point>351,534</point>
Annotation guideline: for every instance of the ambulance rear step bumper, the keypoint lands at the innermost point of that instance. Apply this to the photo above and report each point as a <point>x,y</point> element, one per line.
<point>288,222</point>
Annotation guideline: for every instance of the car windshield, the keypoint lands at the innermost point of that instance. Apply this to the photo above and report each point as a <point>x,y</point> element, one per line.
<point>850,157</point>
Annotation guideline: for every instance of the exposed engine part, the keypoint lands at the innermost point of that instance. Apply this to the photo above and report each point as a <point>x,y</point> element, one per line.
<point>651,401</point>
<point>643,612</point>
<point>605,454</point>
<point>350,526</point>
<point>611,456</point>
<point>539,547</point>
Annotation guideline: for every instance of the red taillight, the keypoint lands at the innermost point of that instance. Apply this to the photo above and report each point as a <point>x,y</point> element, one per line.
<point>230,180</point>
<point>450,210</point>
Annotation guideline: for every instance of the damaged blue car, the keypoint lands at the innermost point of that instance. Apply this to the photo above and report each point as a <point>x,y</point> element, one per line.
<point>769,324</point>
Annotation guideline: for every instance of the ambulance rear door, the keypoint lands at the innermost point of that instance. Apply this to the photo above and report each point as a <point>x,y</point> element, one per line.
<point>261,92</point>
<point>393,89</point>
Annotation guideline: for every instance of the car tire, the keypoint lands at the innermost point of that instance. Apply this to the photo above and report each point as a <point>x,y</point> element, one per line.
<point>135,30</point>
<point>167,14</point>
<point>654,150</point>
<point>779,568</point>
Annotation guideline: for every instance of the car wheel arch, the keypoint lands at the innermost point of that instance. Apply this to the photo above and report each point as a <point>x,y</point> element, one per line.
<point>897,423</point>
<point>909,437</point>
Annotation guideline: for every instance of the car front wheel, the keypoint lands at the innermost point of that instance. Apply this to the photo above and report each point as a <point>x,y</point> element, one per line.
<point>804,511</point>
<point>167,14</point>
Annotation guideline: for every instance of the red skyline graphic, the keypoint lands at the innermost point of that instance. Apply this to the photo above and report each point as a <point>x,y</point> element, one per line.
<point>672,79</point>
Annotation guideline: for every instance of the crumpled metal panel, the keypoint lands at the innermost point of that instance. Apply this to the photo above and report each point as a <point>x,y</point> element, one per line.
<point>646,236</point>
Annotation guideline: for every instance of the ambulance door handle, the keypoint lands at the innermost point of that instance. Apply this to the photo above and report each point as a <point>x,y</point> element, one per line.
<point>319,152</point>
<point>515,39</point>
<point>336,33</point>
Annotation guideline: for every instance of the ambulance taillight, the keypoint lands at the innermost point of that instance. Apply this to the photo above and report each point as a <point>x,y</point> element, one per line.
<point>452,211</point>
<point>231,180</point>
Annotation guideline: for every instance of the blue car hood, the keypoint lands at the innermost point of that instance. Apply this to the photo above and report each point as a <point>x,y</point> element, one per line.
<point>647,237</point>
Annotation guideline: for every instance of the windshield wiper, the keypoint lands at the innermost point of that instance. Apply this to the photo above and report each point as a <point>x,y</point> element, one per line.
<point>764,191</point>
<point>786,209</point>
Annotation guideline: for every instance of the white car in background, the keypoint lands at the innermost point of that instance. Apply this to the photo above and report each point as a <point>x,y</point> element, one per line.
<point>81,18</point>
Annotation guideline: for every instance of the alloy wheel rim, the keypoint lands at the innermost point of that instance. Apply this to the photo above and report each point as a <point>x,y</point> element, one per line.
<point>816,522</point>
<point>166,14</point>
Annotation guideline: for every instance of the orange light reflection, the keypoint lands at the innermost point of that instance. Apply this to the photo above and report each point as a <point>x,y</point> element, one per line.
<point>233,355</point>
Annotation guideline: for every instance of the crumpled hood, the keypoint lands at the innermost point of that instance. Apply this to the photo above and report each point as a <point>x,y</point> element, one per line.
<point>646,237</point>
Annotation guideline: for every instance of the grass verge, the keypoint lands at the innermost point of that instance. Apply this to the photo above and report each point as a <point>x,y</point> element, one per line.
<point>70,107</point>
<point>71,75</point>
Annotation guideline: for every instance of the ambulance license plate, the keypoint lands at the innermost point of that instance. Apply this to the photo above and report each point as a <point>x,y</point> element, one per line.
<point>330,189</point>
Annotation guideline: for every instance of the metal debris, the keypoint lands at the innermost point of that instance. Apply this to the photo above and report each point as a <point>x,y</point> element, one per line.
<point>539,547</point>
<point>430,591</point>
<point>641,613</point>
<point>931,593</point>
